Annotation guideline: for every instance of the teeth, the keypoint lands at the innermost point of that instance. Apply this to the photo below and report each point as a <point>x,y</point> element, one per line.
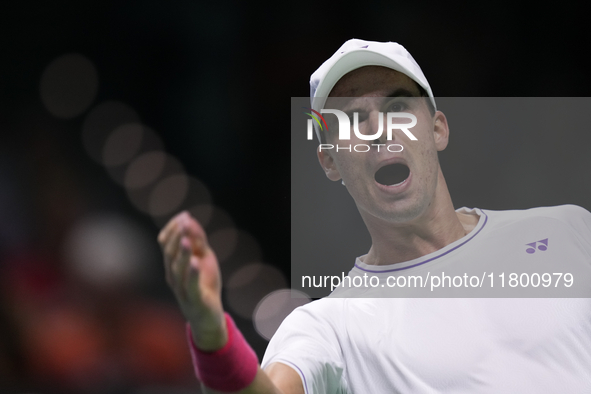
<point>399,183</point>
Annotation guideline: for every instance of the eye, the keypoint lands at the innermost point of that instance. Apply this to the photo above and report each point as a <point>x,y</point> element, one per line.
<point>398,105</point>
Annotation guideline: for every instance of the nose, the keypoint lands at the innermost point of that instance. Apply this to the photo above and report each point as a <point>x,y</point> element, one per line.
<point>377,120</point>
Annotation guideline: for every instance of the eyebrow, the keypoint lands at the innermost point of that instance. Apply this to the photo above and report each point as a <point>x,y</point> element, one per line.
<point>402,92</point>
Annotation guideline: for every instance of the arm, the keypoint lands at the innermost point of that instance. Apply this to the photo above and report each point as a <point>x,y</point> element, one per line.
<point>193,274</point>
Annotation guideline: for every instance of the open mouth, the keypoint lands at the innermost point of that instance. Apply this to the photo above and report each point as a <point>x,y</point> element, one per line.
<point>392,174</point>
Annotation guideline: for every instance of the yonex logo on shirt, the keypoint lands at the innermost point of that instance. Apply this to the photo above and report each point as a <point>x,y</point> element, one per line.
<point>543,247</point>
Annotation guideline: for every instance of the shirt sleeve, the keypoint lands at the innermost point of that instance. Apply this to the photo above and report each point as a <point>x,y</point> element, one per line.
<point>579,219</point>
<point>307,341</point>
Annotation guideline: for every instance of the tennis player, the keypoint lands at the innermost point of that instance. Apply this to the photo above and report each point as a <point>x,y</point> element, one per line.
<point>399,345</point>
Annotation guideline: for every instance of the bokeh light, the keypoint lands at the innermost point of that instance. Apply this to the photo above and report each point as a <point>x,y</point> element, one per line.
<point>66,345</point>
<point>145,169</point>
<point>155,341</point>
<point>274,308</point>
<point>245,251</point>
<point>202,213</point>
<point>126,143</point>
<point>108,251</point>
<point>219,219</point>
<point>69,85</point>
<point>145,173</point>
<point>100,122</point>
<point>223,242</point>
<point>197,195</point>
<point>168,194</point>
<point>122,144</point>
<point>249,284</point>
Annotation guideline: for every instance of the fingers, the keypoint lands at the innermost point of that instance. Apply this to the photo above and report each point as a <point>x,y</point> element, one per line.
<point>169,239</point>
<point>185,220</point>
<point>180,238</point>
<point>184,245</point>
<point>191,277</point>
<point>181,224</point>
<point>165,232</point>
<point>179,267</point>
<point>169,250</point>
<point>171,247</point>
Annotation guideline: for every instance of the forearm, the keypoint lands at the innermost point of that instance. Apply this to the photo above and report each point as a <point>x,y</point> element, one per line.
<point>222,358</point>
<point>234,367</point>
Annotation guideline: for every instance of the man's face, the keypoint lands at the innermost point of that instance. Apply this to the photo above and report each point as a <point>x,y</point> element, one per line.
<point>395,187</point>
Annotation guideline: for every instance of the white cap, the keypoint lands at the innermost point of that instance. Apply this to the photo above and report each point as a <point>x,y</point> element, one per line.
<point>354,54</point>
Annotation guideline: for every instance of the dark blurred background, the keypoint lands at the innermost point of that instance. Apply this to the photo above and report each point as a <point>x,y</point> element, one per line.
<point>114,116</point>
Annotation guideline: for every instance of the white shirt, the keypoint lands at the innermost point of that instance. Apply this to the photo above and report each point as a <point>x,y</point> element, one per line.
<point>455,345</point>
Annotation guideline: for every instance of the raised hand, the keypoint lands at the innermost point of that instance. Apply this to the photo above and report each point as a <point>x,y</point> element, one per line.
<point>193,274</point>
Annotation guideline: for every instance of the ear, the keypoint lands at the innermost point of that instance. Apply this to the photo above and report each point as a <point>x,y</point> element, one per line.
<point>328,165</point>
<point>440,130</point>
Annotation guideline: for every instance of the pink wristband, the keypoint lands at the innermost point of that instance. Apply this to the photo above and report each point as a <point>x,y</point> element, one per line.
<point>231,368</point>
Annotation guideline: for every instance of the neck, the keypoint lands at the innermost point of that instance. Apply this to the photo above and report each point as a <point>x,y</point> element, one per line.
<point>438,226</point>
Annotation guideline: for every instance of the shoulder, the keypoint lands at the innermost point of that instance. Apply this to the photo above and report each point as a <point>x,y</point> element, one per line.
<point>565,213</point>
<point>314,321</point>
<point>560,212</point>
<point>322,312</point>
<point>308,341</point>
